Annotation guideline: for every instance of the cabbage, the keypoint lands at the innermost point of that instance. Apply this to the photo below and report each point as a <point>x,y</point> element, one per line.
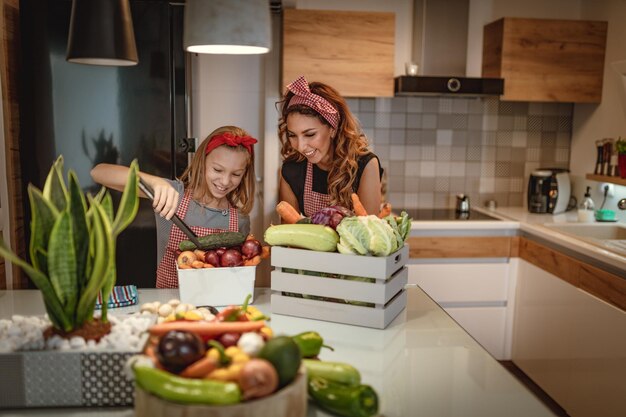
<point>366,235</point>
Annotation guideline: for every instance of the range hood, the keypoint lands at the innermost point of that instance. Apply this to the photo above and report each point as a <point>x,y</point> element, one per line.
<point>439,47</point>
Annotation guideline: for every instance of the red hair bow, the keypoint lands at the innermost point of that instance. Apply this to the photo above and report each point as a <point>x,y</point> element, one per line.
<point>230,140</point>
<point>303,95</point>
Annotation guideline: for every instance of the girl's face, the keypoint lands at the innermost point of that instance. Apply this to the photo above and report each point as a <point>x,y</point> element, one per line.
<point>311,138</point>
<point>225,168</point>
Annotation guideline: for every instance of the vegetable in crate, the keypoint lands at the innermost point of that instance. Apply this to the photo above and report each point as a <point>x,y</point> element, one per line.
<point>306,236</point>
<point>331,216</point>
<point>366,235</point>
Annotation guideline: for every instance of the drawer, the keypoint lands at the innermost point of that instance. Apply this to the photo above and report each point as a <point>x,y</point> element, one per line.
<point>462,282</point>
<point>486,325</point>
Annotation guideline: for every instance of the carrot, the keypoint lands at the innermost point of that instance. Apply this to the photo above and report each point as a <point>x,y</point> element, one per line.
<point>200,368</point>
<point>206,329</point>
<point>265,252</point>
<point>255,260</point>
<point>287,212</point>
<point>149,351</point>
<point>357,207</point>
<point>385,211</point>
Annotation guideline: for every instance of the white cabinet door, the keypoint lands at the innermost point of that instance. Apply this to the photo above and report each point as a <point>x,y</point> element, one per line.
<point>570,343</point>
<point>475,295</point>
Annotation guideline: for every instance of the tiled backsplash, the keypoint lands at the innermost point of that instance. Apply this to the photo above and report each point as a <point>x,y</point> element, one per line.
<point>433,148</point>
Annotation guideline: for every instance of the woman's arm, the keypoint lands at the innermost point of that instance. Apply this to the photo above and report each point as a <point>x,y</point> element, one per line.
<point>115,176</point>
<point>285,193</point>
<point>369,187</point>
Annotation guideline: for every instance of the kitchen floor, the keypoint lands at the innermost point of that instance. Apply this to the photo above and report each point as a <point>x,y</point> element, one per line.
<point>534,388</point>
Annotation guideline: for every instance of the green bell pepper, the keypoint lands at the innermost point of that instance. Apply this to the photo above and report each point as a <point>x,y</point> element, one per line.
<point>186,390</point>
<point>344,400</point>
<point>310,344</point>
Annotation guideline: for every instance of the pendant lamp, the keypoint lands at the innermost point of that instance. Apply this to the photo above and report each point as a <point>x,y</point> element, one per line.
<point>101,33</point>
<point>227,26</point>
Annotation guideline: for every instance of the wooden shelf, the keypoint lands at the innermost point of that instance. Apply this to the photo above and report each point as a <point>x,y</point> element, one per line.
<point>605,178</point>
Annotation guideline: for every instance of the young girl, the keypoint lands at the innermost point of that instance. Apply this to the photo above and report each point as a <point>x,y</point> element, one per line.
<point>326,156</point>
<point>214,194</point>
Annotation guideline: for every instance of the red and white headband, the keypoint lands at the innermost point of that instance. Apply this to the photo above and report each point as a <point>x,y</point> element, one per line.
<point>303,95</point>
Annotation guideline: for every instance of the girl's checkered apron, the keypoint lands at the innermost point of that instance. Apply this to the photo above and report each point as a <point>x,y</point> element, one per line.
<point>313,201</point>
<point>167,276</point>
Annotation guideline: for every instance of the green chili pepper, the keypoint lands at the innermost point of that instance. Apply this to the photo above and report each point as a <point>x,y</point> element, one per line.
<point>186,390</point>
<point>310,344</point>
<point>341,373</point>
<point>344,400</point>
<point>224,358</point>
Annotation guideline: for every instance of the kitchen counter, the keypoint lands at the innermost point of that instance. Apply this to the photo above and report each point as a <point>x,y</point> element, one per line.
<point>422,364</point>
<point>537,226</point>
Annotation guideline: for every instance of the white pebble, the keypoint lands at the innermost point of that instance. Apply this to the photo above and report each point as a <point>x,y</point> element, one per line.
<point>77,342</point>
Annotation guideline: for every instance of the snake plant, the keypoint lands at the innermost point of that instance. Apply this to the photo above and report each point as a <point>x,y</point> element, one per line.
<point>72,244</point>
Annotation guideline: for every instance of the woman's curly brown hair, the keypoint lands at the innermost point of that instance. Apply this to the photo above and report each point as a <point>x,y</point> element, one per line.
<point>348,144</point>
<point>194,179</point>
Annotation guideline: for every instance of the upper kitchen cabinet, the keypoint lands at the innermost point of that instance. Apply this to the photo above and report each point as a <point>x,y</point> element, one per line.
<point>546,60</point>
<point>352,51</point>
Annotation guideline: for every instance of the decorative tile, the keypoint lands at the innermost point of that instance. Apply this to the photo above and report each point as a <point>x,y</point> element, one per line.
<point>563,139</point>
<point>413,121</point>
<point>564,124</point>
<point>398,105</point>
<point>562,155</point>
<point>489,138</point>
<point>444,137</point>
<point>413,136</point>
<point>425,200</point>
<point>505,108</point>
<point>516,168</point>
<point>504,138</point>
<point>397,136</point>
<point>474,138</point>
<point>413,152</point>
<point>442,184</point>
<point>427,184</point>
<point>382,136</point>
<point>475,106</point>
<point>535,109</point>
<point>548,155</point>
<point>474,153</point>
<point>429,121</point>
<point>429,137</point>
<point>396,183</point>
<point>414,105</point>
<point>534,123</point>
<point>516,185</point>
<point>503,169</point>
<point>397,153</point>
<point>490,106</point>
<point>396,169</point>
<point>105,384</point>
<point>382,120</point>
<point>459,121</point>
<point>367,104</point>
<point>458,153</point>
<point>487,185</point>
<point>566,109</point>
<point>533,154</point>
<point>475,122</point>
<point>445,121</point>
<point>549,124</point>
<point>520,122</point>
<point>516,199</point>
<point>430,105</point>
<point>61,387</point>
<point>459,138</point>
<point>520,108</point>
<point>490,122</point>
<point>353,104</point>
<point>519,139</point>
<point>457,169</point>
<point>550,109</point>
<point>427,169</point>
<point>503,153</point>
<point>411,200</point>
<point>445,105</point>
<point>505,122</point>
<point>502,185</point>
<point>411,168</point>
<point>367,119</point>
<point>533,139</point>
<point>473,169</point>
<point>488,169</point>
<point>548,139</point>
<point>460,105</point>
<point>428,153</point>
<point>457,184</point>
<point>443,153</point>
<point>383,105</point>
<point>398,120</point>
<point>488,153</point>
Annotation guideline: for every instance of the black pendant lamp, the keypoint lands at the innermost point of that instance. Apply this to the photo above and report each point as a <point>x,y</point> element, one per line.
<point>101,33</point>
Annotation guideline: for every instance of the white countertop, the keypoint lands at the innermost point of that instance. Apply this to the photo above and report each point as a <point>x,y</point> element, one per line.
<point>538,225</point>
<point>422,364</point>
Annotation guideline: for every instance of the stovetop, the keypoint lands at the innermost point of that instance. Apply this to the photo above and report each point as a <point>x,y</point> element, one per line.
<point>447,214</point>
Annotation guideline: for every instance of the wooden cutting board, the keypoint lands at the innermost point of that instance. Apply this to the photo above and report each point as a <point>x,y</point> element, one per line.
<point>351,51</point>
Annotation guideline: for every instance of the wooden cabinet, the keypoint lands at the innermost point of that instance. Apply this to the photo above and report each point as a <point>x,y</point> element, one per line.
<point>545,59</point>
<point>351,51</point>
<point>569,342</point>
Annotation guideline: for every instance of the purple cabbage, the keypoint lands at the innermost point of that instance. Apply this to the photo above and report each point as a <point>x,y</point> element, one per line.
<point>331,216</point>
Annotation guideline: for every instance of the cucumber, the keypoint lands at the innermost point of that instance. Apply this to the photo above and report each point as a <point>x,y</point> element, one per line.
<point>306,236</point>
<point>214,241</point>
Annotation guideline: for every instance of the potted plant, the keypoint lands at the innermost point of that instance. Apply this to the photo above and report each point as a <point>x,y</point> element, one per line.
<point>620,146</point>
<point>72,249</point>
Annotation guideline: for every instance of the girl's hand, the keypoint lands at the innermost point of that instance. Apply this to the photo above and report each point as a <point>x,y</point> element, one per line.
<point>165,199</point>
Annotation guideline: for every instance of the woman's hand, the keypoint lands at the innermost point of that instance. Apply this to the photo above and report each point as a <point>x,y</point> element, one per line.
<point>165,199</point>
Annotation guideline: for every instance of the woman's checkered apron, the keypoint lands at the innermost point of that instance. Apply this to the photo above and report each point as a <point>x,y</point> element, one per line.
<point>167,276</point>
<point>313,201</point>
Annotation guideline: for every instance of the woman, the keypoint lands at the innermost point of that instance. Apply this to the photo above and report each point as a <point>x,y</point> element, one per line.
<point>326,156</point>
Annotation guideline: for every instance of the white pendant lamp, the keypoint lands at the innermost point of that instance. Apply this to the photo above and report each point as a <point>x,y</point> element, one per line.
<point>101,33</point>
<point>227,27</point>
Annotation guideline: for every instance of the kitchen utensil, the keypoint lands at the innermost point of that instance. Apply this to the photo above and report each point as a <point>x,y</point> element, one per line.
<point>147,190</point>
<point>462,203</point>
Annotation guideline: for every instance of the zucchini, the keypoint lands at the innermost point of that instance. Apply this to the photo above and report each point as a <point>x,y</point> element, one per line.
<point>306,236</point>
<point>214,241</point>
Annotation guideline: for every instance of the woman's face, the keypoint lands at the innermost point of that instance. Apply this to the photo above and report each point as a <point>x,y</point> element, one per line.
<point>225,167</point>
<point>311,138</point>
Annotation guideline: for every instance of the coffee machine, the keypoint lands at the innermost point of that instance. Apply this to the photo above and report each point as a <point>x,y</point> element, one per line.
<point>549,190</point>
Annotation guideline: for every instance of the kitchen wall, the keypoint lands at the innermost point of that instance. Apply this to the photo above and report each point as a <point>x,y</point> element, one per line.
<point>436,147</point>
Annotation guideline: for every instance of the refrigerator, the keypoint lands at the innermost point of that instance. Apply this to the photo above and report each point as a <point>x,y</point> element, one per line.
<point>93,114</point>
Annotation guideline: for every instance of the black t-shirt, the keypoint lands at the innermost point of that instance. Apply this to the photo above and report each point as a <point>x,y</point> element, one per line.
<point>295,174</point>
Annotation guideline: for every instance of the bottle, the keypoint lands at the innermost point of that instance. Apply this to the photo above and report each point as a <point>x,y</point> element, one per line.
<point>586,208</point>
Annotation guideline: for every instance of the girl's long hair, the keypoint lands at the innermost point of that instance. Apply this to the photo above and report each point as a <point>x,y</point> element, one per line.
<point>347,145</point>
<point>194,177</point>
